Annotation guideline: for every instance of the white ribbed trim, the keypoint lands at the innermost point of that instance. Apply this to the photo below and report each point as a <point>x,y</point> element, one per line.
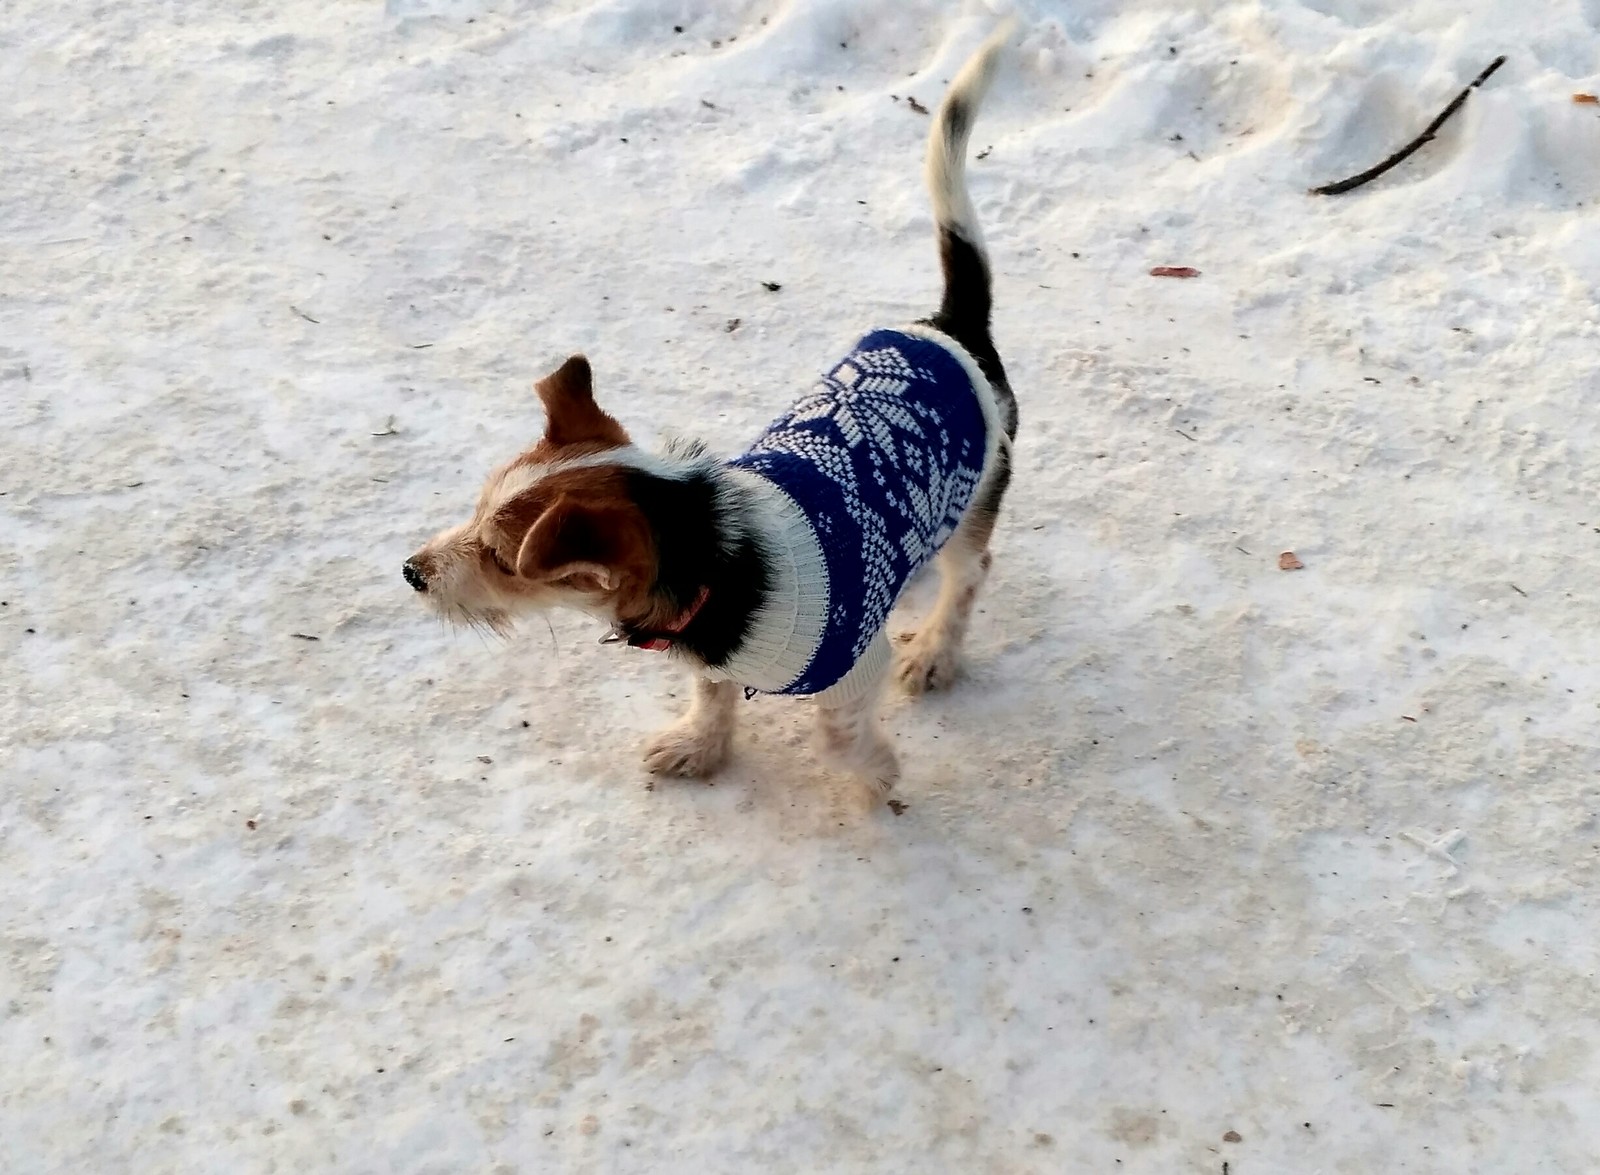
<point>785,631</point>
<point>863,676</point>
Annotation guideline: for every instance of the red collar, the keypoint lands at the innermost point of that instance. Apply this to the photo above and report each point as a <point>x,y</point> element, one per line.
<point>660,639</point>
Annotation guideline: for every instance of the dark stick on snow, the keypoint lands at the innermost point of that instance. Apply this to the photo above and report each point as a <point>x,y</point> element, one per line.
<point>1400,156</point>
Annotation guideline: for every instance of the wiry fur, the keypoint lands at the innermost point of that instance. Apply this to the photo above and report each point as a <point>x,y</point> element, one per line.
<point>672,547</point>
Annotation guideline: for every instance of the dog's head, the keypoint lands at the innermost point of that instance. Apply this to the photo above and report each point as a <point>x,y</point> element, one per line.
<point>556,525</point>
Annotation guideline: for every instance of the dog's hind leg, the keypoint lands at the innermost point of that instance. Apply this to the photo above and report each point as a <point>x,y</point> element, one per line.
<point>697,744</point>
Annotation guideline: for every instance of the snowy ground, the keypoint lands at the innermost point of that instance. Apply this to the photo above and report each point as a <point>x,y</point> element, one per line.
<point>1199,846</point>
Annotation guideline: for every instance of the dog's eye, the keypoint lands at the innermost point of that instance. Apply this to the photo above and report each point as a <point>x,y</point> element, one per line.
<point>494,556</point>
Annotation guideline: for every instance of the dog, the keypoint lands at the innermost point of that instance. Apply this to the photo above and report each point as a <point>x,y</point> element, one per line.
<point>773,572</point>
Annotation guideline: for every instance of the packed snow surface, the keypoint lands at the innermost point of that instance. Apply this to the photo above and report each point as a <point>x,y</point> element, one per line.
<point>292,878</point>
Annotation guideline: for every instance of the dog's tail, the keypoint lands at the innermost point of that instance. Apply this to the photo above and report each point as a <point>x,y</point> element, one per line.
<point>964,312</point>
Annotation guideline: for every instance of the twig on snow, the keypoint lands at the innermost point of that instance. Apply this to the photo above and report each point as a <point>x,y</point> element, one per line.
<point>1400,156</point>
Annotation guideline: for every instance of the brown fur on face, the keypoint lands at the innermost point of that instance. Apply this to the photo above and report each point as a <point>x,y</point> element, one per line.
<point>581,528</point>
<point>573,537</point>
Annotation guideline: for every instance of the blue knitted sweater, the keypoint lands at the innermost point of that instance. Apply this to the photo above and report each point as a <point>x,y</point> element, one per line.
<point>882,457</point>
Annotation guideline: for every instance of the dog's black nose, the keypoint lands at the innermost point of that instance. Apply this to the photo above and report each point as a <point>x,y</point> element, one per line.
<point>414,576</point>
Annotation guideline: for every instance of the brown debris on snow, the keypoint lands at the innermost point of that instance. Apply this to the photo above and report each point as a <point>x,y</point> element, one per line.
<point>1174,271</point>
<point>1289,561</point>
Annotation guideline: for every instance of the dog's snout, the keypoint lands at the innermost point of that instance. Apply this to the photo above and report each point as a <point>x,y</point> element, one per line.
<point>414,576</point>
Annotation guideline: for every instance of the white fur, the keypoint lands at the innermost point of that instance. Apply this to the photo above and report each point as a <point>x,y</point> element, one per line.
<point>947,152</point>
<point>697,744</point>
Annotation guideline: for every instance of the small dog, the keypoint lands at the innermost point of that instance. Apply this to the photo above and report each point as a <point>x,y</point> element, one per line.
<point>775,571</point>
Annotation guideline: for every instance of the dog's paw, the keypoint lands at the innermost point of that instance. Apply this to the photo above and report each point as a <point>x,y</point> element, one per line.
<point>687,751</point>
<point>924,665</point>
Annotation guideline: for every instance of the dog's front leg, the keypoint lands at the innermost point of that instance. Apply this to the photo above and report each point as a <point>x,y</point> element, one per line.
<point>851,737</point>
<point>697,744</point>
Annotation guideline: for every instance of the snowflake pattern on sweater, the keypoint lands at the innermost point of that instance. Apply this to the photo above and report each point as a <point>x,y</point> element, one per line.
<point>882,457</point>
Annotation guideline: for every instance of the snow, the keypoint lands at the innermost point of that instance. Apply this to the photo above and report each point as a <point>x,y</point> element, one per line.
<point>1198,846</point>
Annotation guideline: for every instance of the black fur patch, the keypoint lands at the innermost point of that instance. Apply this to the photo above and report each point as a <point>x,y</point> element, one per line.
<point>964,314</point>
<point>694,554</point>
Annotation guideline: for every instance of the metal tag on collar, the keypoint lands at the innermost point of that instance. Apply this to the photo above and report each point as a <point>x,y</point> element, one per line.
<point>614,636</point>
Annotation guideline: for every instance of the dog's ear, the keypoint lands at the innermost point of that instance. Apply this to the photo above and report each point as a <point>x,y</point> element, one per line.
<point>571,415</point>
<point>575,543</point>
